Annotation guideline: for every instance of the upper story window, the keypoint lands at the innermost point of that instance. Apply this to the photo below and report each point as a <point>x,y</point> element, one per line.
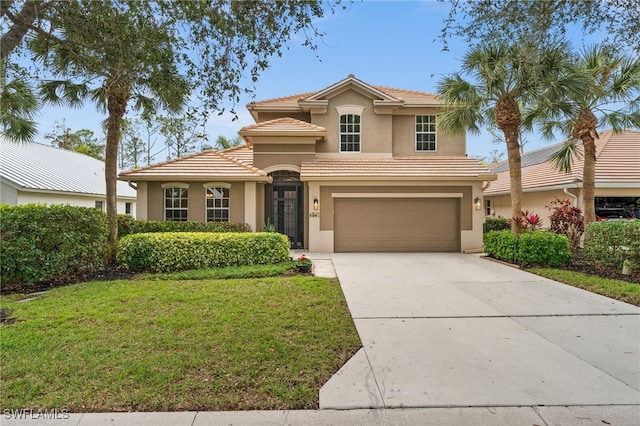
<point>217,203</point>
<point>426,133</point>
<point>176,202</point>
<point>349,133</point>
<point>350,127</point>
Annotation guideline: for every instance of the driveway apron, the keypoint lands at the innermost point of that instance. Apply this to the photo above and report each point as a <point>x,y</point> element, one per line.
<point>455,330</point>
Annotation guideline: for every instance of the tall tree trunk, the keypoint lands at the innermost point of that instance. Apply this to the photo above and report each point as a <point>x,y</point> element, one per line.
<point>589,179</point>
<point>515,175</point>
<point>509,119</point>
<point>585,130</point>
<point>117,94</point>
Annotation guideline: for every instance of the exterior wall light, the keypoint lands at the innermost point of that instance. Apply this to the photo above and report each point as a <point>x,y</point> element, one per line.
<point>316,204</point>
<point>477,204</point>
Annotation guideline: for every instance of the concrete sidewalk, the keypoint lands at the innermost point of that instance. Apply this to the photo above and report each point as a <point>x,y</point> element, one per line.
<point>454,330</point>
<point>470,416</point>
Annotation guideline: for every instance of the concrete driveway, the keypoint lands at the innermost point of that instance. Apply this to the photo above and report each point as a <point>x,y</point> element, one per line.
<point>455,330</point>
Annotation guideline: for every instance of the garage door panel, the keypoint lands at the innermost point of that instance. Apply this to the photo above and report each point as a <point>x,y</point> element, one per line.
<point>370,225</point>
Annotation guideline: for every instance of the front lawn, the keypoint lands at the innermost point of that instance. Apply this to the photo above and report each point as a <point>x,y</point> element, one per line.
<point>167,344</point>
<point>616,289</point>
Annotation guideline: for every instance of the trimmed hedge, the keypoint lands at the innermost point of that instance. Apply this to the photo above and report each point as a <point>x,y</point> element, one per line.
<point>127,225</point>
<point>496,224</point>
<point>530,248</point>
<point>175,251</point>
<point>42,243</point>
<point>609,243</point>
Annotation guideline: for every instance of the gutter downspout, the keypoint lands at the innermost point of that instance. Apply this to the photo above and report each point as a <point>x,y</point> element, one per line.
<point>572,195</point>
<point>131,185</point>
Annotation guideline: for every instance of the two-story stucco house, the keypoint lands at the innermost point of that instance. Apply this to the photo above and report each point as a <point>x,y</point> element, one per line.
<point>352,167</point>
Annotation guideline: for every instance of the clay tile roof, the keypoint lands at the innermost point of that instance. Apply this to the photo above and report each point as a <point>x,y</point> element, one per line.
<point>426,168</point>
<point>282,102</point>
<point>230,164</point>
<point>291,102</point>
<point>281,125</point>
<point>618,160</point>
<point>410,96</point>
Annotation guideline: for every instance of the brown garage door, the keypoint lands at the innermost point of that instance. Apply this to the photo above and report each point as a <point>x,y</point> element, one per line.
<point>396,224</point>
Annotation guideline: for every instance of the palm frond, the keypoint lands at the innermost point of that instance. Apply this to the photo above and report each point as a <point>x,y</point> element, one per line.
<point>64,92</point>
<point>564,158</point>
<point>19,107</point>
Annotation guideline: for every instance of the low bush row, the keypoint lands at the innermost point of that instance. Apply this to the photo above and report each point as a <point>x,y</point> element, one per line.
<point>610,243</point>
<point>176,251</point>
<point>496,224</point>
<point>42,243</point>
<point>530,248</point>
<point>127,225</point>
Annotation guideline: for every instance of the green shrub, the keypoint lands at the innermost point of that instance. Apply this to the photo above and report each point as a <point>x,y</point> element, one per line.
<point>529,248</point>
<point>610,243</point>
<point>496,224</point>
<point>541,248</point>
<point>501,245</point>
<point>127,225</point>
<point>41,243</point>
<point>175,251</point>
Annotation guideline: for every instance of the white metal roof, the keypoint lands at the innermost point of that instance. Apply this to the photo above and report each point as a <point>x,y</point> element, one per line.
<point>37,167</point>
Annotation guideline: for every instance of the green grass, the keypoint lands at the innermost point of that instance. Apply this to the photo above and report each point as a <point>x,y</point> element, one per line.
<point>616,289</point>
<point>176,344</point>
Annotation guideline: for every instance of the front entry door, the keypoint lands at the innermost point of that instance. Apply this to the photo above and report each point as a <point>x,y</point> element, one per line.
<point>285,206</point>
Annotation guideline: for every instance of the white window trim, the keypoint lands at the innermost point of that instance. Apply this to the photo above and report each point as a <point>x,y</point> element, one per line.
<point>175,185</point>
<point>352,110</point>
<point>415,138</point>
<point>217,185</point>
<point>164,197</point>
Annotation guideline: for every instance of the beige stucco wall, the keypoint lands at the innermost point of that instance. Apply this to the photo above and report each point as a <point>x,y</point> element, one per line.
<point>196,201</point>
<point>266,116</point>
<point>404,136</point>
<point>269,152</point>
<point>375,128</point>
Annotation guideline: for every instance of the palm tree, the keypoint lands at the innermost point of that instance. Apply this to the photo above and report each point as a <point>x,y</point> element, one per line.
<point>611,99</point>
<point>131,60</point>
<point>505,77</point>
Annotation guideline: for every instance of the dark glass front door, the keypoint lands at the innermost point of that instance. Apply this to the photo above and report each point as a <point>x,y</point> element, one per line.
<point>285,206</point>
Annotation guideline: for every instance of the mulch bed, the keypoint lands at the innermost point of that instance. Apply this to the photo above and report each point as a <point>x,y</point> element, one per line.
<point>104,273</point>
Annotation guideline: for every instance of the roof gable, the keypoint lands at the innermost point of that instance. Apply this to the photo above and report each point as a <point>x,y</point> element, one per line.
<point>318,100</point>
<point>232,164</point>
<point>351,82</point>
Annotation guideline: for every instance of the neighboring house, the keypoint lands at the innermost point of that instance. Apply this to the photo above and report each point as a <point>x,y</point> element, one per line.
<point>617,190</point>
<point>37,173</point>
<point>352,167</point>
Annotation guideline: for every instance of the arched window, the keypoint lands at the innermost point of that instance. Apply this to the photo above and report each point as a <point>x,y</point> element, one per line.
<point>217,203</point>
<point>176,201</point>
<point>350,127</point>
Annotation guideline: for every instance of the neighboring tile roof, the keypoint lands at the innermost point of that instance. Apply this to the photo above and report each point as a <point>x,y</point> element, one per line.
<point>423,168</point>
<point>231,164</point>
<point>618,161</point>
<point>37,167</point>
<point>288,125</point>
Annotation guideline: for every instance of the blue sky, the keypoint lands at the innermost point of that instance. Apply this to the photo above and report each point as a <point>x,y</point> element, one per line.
<point>386,43</point>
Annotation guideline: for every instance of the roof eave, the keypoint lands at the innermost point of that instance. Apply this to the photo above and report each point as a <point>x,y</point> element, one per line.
<point>342,178</point>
